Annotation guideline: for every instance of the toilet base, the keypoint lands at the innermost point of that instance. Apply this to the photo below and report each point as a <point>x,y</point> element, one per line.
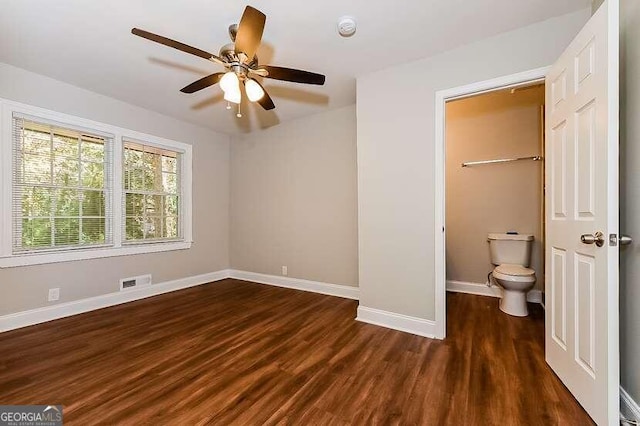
<point>514,303</point>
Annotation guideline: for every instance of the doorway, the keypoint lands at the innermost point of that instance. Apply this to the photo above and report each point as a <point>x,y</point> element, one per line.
<point>494,211</point>
<point>514,81</point>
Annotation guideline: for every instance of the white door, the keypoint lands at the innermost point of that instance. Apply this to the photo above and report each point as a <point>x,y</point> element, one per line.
<point>582,200</point>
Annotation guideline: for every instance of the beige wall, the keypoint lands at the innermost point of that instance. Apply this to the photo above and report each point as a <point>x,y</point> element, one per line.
<point>294,199</point>
<point>595,4</point>
<point>630,198</point>
<point>26,288</point>
<point>395,109</point>
<point>494,197</point>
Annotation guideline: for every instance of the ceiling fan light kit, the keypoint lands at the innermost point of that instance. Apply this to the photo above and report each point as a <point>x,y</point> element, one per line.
<point>233,96</point>
<point>241,63</point>
<point>253,89</point>
<point>229,82</point>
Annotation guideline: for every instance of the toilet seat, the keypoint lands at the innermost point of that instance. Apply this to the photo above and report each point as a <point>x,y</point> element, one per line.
<point>514,270</point>
<point>514,273</point>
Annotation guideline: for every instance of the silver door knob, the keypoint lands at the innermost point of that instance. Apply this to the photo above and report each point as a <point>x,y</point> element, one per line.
<point>625,240</point>
<point>597,239</point>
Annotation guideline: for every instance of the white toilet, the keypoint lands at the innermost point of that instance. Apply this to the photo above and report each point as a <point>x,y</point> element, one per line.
<point>511,253</point>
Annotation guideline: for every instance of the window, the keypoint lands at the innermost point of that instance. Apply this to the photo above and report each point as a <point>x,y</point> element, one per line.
<point>59,187</point>
<point>78,189</point>
<point>151,181</point>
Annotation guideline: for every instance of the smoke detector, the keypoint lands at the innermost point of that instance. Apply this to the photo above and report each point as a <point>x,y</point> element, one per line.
<point>346,26</point>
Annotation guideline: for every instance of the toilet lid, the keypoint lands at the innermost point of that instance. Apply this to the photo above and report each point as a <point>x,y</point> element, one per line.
<point>515,270</point>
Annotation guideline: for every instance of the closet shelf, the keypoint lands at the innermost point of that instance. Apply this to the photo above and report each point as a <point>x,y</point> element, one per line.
<point>501,160</point>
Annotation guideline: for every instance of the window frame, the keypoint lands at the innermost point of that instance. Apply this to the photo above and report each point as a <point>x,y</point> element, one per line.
<point>107,172</point>
<point>179,177</point>
<point>119,247</point>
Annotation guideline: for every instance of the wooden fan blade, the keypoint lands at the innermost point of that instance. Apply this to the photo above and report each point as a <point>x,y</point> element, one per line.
<point>250,31</point>
<point>175,44</point>
<point>204,82</point>
<point>265,102</point>
<point>296,76</point>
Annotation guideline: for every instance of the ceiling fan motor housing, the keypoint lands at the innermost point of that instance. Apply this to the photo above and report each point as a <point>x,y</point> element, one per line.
<point>230,57</point>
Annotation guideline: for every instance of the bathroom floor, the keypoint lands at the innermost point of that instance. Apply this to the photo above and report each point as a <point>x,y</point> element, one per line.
<point>501,367</point>
<point>235,352</point>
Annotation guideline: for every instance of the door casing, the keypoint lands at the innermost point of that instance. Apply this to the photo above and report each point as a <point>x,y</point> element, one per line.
<point>442,97</point>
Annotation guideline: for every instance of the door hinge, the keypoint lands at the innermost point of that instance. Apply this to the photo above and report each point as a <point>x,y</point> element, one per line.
<point>613,240</point>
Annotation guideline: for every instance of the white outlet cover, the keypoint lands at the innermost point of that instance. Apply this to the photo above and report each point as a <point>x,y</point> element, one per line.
<point>285,270</point>
<point>54,294</point>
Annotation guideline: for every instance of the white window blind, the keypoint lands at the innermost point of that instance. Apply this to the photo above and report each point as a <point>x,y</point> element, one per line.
<point>61,187</point>
<point>151,193</point>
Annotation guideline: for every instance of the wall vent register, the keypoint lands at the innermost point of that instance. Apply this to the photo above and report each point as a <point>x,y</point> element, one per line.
<point>134,282</point>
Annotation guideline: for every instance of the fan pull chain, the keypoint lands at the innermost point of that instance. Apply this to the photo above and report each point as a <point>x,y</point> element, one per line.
<point>239,114</point>
<point>228,105</point>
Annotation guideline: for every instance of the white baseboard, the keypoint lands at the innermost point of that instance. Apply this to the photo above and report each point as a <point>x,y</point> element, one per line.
<point>49,313</point>
<point>345,291</point>
<point>473,288</point>
<point>629,409</point>
<point>413,325</point>
<point>534,296</point>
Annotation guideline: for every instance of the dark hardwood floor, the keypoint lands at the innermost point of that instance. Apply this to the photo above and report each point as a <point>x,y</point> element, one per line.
<point>234,352</point>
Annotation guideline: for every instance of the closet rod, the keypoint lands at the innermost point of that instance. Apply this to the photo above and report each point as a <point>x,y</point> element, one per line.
<point>502,160</point>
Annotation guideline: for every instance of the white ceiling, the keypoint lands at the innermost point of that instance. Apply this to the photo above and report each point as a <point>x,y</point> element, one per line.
<point>88,43</point>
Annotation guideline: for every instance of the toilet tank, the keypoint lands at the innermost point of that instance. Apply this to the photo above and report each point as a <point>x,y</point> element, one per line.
<point>510,248</point>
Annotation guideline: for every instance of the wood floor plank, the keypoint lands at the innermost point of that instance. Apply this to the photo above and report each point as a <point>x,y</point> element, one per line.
<point>234,352</point>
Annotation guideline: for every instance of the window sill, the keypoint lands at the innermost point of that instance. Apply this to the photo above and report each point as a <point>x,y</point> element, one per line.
<point>96,253</point>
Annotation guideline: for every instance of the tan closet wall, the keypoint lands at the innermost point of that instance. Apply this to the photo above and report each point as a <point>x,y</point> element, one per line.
<point>495,197</point>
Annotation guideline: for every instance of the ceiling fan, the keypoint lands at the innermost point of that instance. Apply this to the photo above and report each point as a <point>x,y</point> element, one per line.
<point>240,61</point>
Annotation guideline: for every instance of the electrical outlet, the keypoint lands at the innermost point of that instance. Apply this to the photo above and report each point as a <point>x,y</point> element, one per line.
<point>54,294</point>
<point>285,271</point>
